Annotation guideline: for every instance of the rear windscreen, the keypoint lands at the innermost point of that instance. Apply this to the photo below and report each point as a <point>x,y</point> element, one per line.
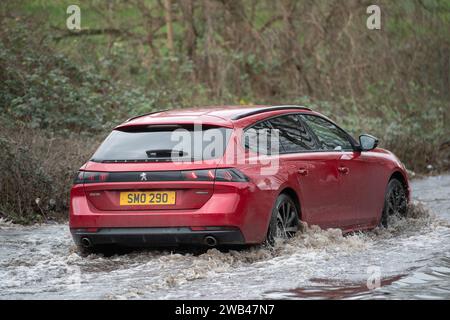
<point>163,143</point>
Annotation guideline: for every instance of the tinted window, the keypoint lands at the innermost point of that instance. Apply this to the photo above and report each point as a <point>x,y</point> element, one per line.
<point>294,136</point>
<point>152,143</point>
<point>330,137</point>
<point>258,138</point>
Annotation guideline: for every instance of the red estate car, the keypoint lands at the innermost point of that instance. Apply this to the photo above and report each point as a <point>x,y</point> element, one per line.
<point>157,181</point>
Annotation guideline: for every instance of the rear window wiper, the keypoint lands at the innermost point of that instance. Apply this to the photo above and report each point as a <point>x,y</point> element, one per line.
<point>166,153</point>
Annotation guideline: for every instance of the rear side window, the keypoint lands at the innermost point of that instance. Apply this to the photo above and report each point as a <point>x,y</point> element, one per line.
<point>330,137</point>
<point>294,136</point>
<point>163,143</point>
<point>259,138</point>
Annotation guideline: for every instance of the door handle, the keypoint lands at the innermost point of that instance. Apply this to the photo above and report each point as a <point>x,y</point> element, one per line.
<point>344,170</point>
<point>303,172</point>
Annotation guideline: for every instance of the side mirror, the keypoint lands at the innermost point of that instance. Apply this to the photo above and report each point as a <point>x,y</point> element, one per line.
<point>367,142</point>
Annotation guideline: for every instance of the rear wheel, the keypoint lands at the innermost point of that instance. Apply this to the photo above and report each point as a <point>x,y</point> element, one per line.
<point>395,202</point>
<point>85,251</point>
<point>284,222</point>
<point>97,249</point>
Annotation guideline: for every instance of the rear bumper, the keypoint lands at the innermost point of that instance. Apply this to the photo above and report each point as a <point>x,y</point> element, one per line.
<point>234,205</point>
<point>157,237</point>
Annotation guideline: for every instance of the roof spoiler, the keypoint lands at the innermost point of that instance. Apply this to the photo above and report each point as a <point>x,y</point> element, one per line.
<point>146,114</point>
<point>267,109</point>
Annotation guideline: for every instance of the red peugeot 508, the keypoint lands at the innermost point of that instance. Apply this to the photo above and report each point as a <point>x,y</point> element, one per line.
<point>232,175</point>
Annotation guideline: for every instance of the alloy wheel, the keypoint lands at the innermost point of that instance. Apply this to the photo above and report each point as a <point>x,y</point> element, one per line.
<point>287,224</point>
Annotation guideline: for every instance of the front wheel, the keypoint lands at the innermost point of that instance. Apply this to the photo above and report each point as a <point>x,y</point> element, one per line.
<point>284,222</point>
<point>395,202</point>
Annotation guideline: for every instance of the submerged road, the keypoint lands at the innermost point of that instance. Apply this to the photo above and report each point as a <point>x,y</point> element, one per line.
<point>411,259</point>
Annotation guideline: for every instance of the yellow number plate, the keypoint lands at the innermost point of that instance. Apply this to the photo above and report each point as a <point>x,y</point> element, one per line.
<point>147,198</point>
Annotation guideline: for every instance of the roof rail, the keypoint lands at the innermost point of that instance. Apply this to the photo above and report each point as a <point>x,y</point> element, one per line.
<point>145,114</point>
<point>267,109</point>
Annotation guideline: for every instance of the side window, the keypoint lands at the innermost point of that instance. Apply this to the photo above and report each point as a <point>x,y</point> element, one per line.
<point>258,138</point>
<point>330,137</point>
<point>294,136</point>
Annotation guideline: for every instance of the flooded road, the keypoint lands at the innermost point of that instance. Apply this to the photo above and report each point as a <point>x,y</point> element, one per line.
<point>411,259</point>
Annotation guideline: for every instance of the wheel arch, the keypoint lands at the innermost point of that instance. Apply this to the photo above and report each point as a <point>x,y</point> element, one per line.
<point>397,174</point>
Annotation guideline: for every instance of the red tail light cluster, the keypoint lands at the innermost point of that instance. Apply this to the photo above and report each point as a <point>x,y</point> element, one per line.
<point>225,175</point>
<point>90,177</point>
<point>198,175</point>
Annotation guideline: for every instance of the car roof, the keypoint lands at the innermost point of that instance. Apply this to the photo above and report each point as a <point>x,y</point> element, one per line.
<point>225,116</point>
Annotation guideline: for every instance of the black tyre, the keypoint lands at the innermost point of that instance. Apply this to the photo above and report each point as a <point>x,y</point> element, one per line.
<point>284,222</point>
<point>395,202</point>
<point>85,251</point>
<point>98,249</point>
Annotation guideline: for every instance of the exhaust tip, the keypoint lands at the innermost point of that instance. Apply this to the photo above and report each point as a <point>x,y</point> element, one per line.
<point>86,243</point>
<point>210,241</point>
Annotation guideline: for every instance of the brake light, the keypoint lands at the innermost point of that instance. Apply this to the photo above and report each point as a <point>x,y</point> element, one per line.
<point>198,175</point>
<point>90,177</point>
<point>225,175</point>
<point>79,177</point>
<point>230,175</point>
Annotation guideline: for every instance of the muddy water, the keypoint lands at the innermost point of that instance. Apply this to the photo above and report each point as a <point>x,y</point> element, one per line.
<point>411,259</point>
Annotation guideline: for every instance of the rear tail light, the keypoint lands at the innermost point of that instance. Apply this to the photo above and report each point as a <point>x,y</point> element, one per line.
<point>79,177</point>
<point>90,177</point>
<point>198,175</point>
<point>230,175</point>
<point>224,175</point>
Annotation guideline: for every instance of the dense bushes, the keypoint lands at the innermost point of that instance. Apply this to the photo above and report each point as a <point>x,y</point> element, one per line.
<point>44,89</point>
<point>23,182</point>
<point>37,171</point>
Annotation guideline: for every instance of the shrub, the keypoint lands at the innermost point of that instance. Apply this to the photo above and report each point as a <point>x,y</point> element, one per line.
<point>37,172</point>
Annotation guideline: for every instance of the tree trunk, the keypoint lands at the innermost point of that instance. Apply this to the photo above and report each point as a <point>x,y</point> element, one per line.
<point>190,32</point>
<point>168,17</point>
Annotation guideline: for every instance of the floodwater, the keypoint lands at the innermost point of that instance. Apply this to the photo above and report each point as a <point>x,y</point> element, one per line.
<point>409,260</point>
